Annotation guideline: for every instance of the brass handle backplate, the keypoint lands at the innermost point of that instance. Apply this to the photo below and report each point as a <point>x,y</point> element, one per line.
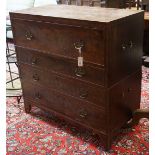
<point>83,113</point>
<point>124,47</point>
<point>130,44</point>
<point>127,45</point>
<point>80,72</point>
<point>34,61</point>
<point>83,95</point>
<point>35,77</point>
<point>28,35</point>
<point>37,96</point>
<point>79,44</point>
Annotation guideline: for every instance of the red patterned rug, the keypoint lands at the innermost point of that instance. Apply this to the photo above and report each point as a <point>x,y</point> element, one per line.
<point>42,133</point>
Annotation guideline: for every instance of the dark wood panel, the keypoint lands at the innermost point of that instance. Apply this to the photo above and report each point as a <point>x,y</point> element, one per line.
<point>115,106</point>
<point>125,53</point>
<point>65,67</point>
<point>124,98</point>
<point>132,91</point>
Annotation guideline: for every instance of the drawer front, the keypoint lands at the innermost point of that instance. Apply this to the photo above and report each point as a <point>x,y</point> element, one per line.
<point>60,39</point>
<point>61,66</point>
<point>71,107</point>
<point>68,86</point>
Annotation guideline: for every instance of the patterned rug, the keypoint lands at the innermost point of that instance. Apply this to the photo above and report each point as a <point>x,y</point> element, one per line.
<point>42,133</point>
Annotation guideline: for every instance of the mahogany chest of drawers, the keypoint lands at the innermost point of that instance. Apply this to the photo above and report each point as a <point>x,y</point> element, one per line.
<point>82,63</point>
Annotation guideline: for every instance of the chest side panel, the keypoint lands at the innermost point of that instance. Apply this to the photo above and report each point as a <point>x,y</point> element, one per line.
<point>124,47</point>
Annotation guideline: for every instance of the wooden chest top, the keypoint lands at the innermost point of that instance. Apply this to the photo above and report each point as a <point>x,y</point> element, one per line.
<point>84,13</point>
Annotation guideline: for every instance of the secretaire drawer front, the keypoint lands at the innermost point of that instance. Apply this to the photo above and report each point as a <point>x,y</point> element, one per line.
<point>65,67</point>
<point>60,39</point>
<point>73,108</point>
<point>81,90</point>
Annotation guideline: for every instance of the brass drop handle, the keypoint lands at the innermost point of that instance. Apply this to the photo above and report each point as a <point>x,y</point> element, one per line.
<point>83,95</point>
<point>83,113</point>
<point>28,35</point>
<point>37,96</point>
<point>80,72</point>
<point>35,77</point>
<point>130,44</point>
<point>78,45</point>
<point>124,47</point>
<point>34,61</point>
